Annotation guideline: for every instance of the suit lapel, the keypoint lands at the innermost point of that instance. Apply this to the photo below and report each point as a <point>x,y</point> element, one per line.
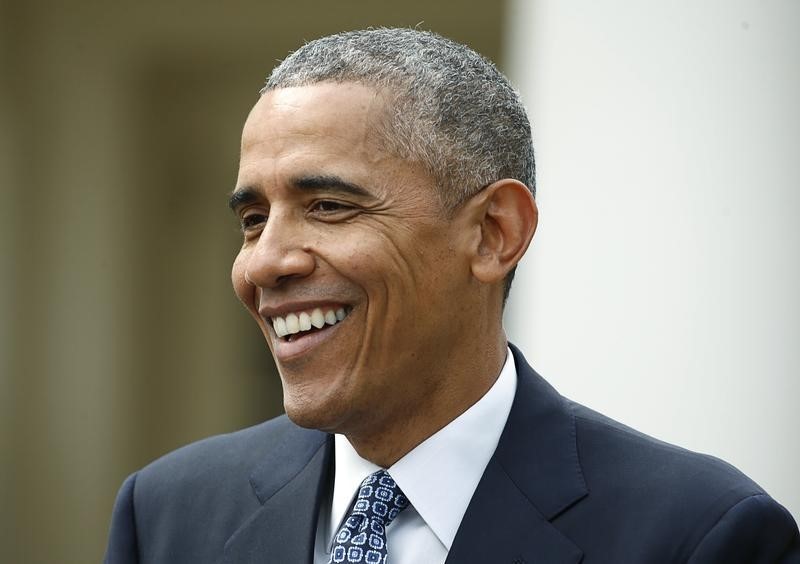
<point>533,476</point>
<point>290,485</point>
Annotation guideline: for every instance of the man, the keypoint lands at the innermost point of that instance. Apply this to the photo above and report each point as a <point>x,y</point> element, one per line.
<point>385,194</point>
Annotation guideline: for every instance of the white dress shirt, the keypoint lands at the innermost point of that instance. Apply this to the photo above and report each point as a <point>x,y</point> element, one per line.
<point>438,477</point>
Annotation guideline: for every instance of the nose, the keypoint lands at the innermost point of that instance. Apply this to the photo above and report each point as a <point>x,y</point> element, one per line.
<point>279,254</point>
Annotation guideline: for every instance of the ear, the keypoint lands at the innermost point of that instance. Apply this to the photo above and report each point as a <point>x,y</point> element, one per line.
<point>506,214</point>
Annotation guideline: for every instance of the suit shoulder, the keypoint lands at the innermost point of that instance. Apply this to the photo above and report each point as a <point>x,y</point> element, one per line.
<point>191,500</point>
<point>757,527</point>
<point>615,451</point>
<point>231,455</point>
<point>686,506</point>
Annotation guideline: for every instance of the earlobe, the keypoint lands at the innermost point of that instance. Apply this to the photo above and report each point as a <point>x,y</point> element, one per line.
<point>508,217</point>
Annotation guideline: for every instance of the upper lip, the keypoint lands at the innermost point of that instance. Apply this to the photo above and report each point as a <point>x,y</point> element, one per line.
<point>269,311</point>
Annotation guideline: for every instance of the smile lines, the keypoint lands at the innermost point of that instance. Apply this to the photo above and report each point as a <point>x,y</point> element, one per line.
<point>303,321</point>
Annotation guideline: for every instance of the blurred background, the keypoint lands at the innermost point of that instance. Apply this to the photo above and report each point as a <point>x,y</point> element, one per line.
<point>661,288</point>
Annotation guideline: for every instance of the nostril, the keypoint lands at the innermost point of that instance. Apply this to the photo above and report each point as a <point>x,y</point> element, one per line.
<point>287,277</point>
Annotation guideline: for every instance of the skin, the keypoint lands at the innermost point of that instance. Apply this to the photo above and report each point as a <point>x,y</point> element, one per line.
<point>330,218</point>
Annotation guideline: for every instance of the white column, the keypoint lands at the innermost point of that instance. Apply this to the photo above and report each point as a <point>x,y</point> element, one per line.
<point>663,286</point>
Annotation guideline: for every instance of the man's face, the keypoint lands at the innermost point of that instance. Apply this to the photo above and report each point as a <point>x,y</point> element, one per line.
<point>340,234</point>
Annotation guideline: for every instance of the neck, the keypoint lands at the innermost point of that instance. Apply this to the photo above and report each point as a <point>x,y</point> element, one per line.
<point>467,380</point>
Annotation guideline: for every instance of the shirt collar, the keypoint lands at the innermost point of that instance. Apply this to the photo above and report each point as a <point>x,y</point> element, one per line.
<point>441,474</point>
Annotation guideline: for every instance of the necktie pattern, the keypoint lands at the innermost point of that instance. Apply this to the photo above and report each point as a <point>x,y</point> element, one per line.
<point>362,536</point>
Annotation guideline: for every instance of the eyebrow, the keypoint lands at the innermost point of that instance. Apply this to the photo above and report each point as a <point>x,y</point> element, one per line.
<point>311,183</point>
<point>243,196</point>
<point>328,183</point>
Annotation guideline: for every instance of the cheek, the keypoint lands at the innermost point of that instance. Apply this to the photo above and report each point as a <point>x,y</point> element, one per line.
<point>380,268</point>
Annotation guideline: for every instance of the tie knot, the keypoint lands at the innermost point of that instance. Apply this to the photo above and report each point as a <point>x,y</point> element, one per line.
<point>379,498</point>
<point>362,536</point>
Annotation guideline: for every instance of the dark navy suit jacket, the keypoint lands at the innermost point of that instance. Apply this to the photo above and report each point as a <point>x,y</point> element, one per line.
<point>565,485</point>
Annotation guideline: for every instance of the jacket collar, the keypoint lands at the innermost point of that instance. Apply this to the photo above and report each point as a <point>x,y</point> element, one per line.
<point>290,483</point>
<point>534,475</point>
<point>538,447</point>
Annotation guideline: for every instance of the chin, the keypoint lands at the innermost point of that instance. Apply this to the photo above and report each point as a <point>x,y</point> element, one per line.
<point>323,414</point>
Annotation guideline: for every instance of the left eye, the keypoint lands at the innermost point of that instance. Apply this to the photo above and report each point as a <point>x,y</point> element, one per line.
<point>328,206</point>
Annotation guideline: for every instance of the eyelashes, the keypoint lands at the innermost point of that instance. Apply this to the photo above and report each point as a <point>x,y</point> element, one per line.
<point>329,211</point>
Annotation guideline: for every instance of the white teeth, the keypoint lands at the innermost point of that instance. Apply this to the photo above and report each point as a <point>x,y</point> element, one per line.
<point>317,319</point>
<point>294,323</point>
<point>330,317</point>
<point>279,324</point>
<point>305,321</point>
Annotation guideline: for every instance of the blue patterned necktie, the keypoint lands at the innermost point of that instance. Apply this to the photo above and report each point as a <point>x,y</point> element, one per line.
<point>362,537</point>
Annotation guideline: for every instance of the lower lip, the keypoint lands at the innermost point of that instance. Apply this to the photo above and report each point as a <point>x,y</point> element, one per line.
<point>287,350</point>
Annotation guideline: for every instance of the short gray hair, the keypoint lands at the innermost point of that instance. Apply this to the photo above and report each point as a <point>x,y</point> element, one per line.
<point>450,109</point>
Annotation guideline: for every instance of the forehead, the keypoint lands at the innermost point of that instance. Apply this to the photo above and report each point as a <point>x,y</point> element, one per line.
<point>326,130</point>
<point>332,112</point>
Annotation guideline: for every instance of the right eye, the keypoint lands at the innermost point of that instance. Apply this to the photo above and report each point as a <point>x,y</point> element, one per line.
<point>252,220</point>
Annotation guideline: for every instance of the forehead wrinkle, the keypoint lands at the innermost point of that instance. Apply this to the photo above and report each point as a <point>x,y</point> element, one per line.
<point>260,126</point>
<point>294,111</point>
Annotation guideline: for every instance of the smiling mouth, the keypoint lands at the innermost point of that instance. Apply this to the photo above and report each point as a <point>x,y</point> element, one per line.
<point>298,324</point>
